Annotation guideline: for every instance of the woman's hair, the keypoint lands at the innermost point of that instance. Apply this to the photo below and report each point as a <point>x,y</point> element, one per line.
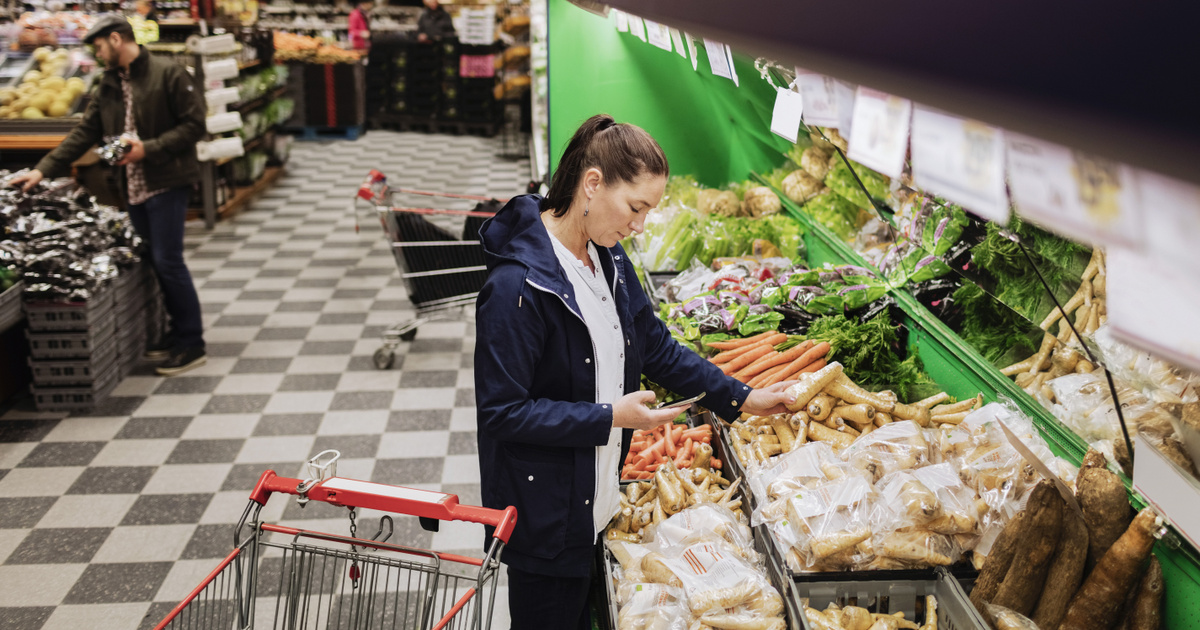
<point>623,152</point>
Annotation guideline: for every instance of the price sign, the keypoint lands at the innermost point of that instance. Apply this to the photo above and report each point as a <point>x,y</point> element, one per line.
<point>845,98</point>
<point>820,98</point>
<point>961,160</point>
<point>1172,218</point>
<point>677,39</point>
<point>879,130</point>
<point>1084,197</point>
<point>659,35</point>
<point>691,46</point>
<point>785,118</point>
<point>718,59</point>
<point>636,28</point>
<point>621,20</point>
<point>1153,306</point>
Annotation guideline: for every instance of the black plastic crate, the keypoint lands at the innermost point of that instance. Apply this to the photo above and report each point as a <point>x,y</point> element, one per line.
<point>69,316</point>
<point>10,306</point>
<point>75,398</point>
<point>71,344</point>
<point>73,371</point>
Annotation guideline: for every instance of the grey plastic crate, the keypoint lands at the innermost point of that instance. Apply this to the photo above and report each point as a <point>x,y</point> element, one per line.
<point>74,398</point>
<point>10,306</point>
<point>73,316</point>
<point>954,608</point>
<point>70,344</point>
<point>74,371</point>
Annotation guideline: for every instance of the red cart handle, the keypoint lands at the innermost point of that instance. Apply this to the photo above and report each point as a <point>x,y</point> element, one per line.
<point>353,493</point>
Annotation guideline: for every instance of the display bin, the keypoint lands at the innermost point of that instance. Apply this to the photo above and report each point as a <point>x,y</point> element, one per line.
<point>73,371</point>
<point>69,316</point>
<point>10,306</point>
<point>75,398</point>
<point>888,596</point>
<point>71,345</point>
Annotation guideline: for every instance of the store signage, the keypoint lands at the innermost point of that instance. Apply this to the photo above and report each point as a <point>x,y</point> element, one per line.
<point>820,99</point>
<point>1153,306</point>
<point>1172,219</point>
<point>636,28</point>
<point>659,35</point>
<point>621,20</point>
<point>1081,196</point>
<point>677,39</point>
<point>718,59</point>
<point>1169,490</point>
<point>785,119</point>
<point>691,45</point>
<point>845,99</point>
<point>879,131</point>
<point>961,160</point>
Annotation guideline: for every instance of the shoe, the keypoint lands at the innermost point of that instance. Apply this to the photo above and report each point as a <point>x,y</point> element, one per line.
<point>182,360</point>
<point>160,350</point>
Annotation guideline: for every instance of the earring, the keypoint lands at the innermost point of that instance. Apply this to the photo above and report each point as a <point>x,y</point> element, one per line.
<point>585,208</point>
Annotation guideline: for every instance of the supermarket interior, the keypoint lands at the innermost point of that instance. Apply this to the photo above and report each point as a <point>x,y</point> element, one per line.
<point>873,378</point>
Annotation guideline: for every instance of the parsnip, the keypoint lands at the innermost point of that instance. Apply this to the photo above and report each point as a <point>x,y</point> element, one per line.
<point>811,384</point>
<point>936,399</point>
<point>822,433</point>
<point>860,415</point>
<point>787,439</point>
<point>657,571</point>
<point>820,406</point>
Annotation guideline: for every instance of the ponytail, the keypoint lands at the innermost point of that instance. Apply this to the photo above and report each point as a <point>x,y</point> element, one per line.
<point>623,152</point>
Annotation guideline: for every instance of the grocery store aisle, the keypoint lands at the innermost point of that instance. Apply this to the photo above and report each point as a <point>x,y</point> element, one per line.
<point>109,518</point>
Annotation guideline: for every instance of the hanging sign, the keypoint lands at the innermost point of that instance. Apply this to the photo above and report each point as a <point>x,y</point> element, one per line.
<point>879,131</point>
<point>1081,196</point>
<point>785,118</point>
<point>820,99</point>
<point>1153,306</point>
<point>636,28</point>
<point>659,35</point>
<point>677,40</point>
<point>1172,218</point>
<point>718,59</point>
<point>621,20</point>
<point>961,160</point>
<point>691,46</point>
<point>845,106</point>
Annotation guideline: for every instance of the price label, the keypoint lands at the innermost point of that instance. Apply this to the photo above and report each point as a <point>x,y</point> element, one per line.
<point>718,59</point>
<point>621,20</point>
<point>691,46</point>
<point>659,35</point>
<point>846,94</point>
<point>820,98</point>
<point>785,118</point>
<point>1153,306</point>
<point>1084,197</point>
<point>961,160</point>
<point>636,28</point>
<point>677,39</point>
<point>732,68</point>
<point>879,130</point>
<point>1172,212</point>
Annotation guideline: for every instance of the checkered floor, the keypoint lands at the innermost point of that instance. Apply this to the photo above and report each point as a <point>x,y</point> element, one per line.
<point>109,518</point>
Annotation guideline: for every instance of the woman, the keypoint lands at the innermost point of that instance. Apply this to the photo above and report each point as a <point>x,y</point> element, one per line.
<point>360,26</point>
<point>564,331</point>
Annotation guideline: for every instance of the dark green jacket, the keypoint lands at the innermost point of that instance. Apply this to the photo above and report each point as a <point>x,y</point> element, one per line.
<point>170,112</point>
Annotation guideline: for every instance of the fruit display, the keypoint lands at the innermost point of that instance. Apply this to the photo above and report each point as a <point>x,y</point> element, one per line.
<point>294,47</point>
<point>43,92</point>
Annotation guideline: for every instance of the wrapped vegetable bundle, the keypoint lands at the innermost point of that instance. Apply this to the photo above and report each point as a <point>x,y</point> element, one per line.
<point>668,492</point>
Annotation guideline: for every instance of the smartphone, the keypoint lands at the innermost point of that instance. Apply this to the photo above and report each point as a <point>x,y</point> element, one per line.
<point>670,404</point>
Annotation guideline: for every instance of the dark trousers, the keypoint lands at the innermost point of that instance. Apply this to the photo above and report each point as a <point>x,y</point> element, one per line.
<point>159,222</point>
<point>539,602</point>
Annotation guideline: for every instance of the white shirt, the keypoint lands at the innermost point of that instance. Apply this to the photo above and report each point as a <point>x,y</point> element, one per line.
<point>599,311</point>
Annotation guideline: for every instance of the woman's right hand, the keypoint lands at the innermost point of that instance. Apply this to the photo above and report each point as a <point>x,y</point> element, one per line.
<point>631,412</point>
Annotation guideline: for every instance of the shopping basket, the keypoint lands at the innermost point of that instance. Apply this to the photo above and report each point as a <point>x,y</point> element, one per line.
<point>441,272</point>
<point>285,577</point>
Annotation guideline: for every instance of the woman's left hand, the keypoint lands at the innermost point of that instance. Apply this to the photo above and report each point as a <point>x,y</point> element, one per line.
<point>769,400</point>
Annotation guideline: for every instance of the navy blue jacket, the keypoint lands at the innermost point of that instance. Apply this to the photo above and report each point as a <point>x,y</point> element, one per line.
<point>535,387</point>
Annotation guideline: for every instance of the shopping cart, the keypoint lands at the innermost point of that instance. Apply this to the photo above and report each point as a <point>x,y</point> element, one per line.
<point>442,273</point>
<point>284,577</point>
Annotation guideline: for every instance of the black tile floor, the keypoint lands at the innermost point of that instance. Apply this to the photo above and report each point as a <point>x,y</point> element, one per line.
<point>108,518</point>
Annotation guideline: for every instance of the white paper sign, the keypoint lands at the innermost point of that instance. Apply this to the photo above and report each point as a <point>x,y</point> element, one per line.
<point>785,118</point>
<point>1153,306</point>
<point>879,132</point>
<point>845,99</point>
<point>1080,196</point>
<point>659,35</point>
<point>732,68</point>
<point>961,160</point>
<point>677,39</point>
<point>621,20</point>
<point>1171,492</point>
<point>820,99</point>
<point>1172,218</point>
<point>636,28</point>
<point>691,46</point>
<point>718,59</point>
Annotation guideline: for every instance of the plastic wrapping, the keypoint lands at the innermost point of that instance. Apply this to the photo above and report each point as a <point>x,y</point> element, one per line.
<point>828,522</point>
<point>648,606</point>
<point>715,578</point>
<point>896,446</point>
<point>705,517</point>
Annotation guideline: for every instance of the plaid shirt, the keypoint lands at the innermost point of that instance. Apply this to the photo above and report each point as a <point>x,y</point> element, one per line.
<point>136,176</point>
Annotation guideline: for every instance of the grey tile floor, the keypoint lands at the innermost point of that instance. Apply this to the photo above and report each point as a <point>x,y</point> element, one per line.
<point>109,518</point>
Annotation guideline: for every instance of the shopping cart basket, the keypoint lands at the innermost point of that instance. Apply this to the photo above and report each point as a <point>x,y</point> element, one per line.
<point>284,577</point>
<point>441,272</point>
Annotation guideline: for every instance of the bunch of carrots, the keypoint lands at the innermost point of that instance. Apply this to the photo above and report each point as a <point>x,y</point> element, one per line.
<point>768,358</point>
<point>678,443</point>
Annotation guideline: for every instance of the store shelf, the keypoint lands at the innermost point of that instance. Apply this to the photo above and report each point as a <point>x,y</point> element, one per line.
<point>253,63</point>
<point>38,142</point>
<point>243,194</point>
<point>259,100</point>
<point>1061,77</point>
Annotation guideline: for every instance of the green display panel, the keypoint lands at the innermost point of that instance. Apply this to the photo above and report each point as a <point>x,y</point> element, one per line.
<point>708,127</point>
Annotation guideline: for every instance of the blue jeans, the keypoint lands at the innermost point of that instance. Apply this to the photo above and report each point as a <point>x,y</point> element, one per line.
<point>159,222</point>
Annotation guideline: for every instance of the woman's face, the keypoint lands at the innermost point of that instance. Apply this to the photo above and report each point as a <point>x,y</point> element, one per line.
<point>617,210</point>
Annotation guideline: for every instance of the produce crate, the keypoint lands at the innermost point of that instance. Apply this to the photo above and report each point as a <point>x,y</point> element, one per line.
<point>74,371</point>
<point>10,306</point>
<point>71,345</point>
<point>77,398</point>
<point>954,609</point>
<point>72,316</point>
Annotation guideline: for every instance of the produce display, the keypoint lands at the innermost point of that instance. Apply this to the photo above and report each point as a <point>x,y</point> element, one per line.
<point>1074,562</point>
<point>294,47</point>
<point>668,492</point>
<point>43,91</point>
<point>836,617</point>
<point>683,446</point>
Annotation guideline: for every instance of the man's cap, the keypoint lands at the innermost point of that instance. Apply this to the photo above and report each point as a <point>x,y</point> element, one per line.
<point>105,24</point>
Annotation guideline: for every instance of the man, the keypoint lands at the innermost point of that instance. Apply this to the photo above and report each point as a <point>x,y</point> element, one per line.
<point>434,24</point>
<point>155,104</point>
<point>360,26</point>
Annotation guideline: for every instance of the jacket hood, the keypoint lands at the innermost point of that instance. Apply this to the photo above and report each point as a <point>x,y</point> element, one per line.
<point>517,234</point>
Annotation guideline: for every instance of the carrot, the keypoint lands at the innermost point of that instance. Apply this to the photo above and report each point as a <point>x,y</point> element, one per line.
<point>729,355</point>
<point>683,453</point>
<point>784,357</point>
<point>737,343</point>
<point>815,366</point>
<point>758,381</point>
<point>756,367</point>
<point>715,463</point>
<point>672,448</point>
<point>696,433</point>
<point>748,358</point>
<point>817,351</point>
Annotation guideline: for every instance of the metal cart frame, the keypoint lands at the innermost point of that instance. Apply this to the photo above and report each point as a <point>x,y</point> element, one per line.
<point>441,273</point>
<point>300,579</point>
